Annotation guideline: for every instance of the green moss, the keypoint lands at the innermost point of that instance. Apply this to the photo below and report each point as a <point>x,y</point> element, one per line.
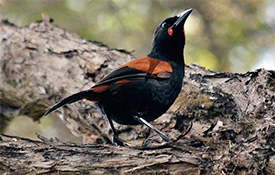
<point>193,100</point>
<point>35,109</point>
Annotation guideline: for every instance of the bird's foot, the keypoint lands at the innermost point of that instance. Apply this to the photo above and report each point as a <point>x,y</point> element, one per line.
<point>118,141</point>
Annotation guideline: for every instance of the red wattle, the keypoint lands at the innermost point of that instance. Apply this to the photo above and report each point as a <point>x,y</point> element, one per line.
<point>170,31</point>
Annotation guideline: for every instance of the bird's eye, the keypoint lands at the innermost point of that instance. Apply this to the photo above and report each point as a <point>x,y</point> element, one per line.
<point>164,24</point>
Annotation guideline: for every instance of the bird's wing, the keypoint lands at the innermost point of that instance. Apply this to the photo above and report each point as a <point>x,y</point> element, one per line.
<point>140,68</point>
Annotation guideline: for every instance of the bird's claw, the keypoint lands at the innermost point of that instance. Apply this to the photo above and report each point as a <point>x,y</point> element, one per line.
<point>118,141</point>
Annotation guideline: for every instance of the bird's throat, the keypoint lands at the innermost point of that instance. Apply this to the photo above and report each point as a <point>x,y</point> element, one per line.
<point>168,54</point>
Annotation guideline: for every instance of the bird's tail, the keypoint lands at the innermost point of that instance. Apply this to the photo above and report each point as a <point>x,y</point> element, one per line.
<point>71,99</point>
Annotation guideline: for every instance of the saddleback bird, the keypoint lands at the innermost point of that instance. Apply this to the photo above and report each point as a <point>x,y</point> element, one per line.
<point>143,89</point>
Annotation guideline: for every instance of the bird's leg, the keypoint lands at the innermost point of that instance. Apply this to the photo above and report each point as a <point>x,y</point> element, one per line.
<point>143,121</point>
<point>116,139</point>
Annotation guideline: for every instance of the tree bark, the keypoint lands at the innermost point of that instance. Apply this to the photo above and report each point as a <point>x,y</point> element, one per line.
<point>233,115</point>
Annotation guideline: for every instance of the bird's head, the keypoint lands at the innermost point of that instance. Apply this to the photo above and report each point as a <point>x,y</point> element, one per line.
<point>169,35</point>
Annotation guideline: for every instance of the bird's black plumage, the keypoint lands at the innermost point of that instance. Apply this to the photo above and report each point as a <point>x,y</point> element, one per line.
<point>143,89</point>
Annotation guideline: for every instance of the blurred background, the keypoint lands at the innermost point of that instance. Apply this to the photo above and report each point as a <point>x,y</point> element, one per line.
<point>228,35</point>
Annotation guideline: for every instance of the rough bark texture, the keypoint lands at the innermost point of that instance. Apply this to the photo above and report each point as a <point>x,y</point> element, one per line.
<point>233,115</point>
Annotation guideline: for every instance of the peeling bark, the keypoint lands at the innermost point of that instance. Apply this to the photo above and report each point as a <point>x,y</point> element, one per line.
<point>233,115</point>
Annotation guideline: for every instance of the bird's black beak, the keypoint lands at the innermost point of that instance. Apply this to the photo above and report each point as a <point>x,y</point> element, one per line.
<point>182,18</point>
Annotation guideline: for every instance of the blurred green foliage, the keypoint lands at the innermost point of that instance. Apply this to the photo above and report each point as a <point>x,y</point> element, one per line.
<point>226,35</point>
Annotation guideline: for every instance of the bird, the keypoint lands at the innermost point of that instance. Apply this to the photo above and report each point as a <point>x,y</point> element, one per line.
<point>143,89</point>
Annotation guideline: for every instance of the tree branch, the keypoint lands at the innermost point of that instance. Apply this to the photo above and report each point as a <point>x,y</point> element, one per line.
<point>232,114</point>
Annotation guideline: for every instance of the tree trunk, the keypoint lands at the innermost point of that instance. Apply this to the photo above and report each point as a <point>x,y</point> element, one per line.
<point>232,115</point>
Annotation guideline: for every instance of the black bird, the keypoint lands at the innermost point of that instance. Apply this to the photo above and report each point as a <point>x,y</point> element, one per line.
<point>143,89</point>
